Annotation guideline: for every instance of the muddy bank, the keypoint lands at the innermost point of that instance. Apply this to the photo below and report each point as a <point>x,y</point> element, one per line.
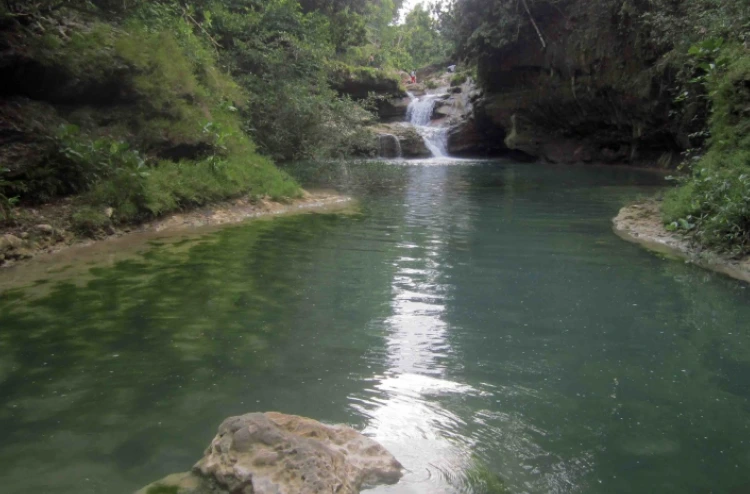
<point>642,224</point>
<point>47,243</point>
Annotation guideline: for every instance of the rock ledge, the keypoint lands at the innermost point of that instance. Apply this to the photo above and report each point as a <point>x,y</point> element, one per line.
<point>641,223</point>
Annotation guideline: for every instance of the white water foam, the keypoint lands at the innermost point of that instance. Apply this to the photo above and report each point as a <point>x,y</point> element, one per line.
<point>419,114</point>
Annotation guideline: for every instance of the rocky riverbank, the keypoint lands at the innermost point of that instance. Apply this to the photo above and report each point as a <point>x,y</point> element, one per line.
<point>47,229</point>
<point>273,453</point>
<point>642,224</point>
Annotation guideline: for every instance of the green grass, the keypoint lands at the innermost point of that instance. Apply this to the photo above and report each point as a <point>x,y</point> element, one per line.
<point>366,76</point>
<point>88,221</point>
<point>115,158</point>
<point>459,78</point>
<point>171,186</point>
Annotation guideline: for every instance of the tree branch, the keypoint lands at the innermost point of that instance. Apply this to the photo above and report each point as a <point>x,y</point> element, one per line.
<point>533,22</point>
<point>213,41</point>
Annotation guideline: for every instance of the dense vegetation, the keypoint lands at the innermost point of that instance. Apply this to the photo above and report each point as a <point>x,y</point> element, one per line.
<point>148,106</point>
<point>141,107</point>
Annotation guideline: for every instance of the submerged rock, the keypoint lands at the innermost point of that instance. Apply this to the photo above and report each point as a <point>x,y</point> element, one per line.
<point>273,453</point>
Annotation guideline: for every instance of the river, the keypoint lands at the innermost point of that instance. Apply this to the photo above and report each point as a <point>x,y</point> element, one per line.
<point>479,319</point>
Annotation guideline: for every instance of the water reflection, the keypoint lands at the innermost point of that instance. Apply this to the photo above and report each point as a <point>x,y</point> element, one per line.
<point>404,409</point>
<point>469,311</point>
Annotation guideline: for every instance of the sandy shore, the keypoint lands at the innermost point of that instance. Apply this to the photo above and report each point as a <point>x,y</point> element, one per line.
<point>642,224</point>
<point>66,253</point>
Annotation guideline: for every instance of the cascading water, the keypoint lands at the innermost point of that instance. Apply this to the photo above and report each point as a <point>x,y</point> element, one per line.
<point>419,114</point>
<point>390,146</point>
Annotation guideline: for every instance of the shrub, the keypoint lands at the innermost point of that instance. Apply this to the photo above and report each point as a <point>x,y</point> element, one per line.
<point>459,78</point>
<point>184,108</point>
<point>6,200</point>
<point>89,221</point>
<point>713,203</point>
<point>169,185</point>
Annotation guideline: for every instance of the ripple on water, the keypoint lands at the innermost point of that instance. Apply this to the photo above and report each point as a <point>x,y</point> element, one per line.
<point>481,321</point>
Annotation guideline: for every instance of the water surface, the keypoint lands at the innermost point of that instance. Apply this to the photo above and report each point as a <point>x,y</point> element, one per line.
<point>481,320</point>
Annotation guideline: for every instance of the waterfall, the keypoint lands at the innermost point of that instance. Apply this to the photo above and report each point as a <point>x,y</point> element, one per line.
<point>419,114</point>
<point>390,146</point>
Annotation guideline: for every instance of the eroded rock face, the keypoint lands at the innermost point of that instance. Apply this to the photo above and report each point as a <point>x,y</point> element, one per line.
<point>389,146</point>
<point>473,132</point>
<point>412,144</point>
<point>273,453</point>
<point>574,103</point>
<point>393,109</point>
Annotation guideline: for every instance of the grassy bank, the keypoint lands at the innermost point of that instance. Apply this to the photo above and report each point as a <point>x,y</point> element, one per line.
<point>139,120</point>
<point>713,202</point>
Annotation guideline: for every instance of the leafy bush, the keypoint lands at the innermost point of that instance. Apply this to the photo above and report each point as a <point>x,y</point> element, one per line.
<point>80,162</point>
<point>136,191</point>
<point>714,201</point>
<point>89,221</point>
<point>181,101</point>
<point>71,164</point>
<point>281,56</point>
<point>459,78</point>
<point>6,200</point>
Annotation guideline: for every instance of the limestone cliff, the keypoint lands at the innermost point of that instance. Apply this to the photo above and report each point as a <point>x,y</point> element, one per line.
<point>574,84</point>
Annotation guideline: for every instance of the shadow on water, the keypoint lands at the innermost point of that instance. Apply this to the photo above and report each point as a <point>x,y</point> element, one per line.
<point>125,378</point>
<point>479,319</point>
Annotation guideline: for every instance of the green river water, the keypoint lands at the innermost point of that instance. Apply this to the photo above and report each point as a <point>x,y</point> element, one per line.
<point>479,319</point>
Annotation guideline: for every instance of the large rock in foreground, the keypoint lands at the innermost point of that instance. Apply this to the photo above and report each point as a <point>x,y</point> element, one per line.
<point>272,453</point>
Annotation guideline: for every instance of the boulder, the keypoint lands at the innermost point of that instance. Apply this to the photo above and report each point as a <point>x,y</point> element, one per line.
<point>412,144</point>
<point>389,146</point>
<point>22,253</point>
<point>10,242</point>
<point>393,109</point>
<point>273,453</point>
<point>446,108</point>
<point>468,137</point>
<point>45,229</point>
